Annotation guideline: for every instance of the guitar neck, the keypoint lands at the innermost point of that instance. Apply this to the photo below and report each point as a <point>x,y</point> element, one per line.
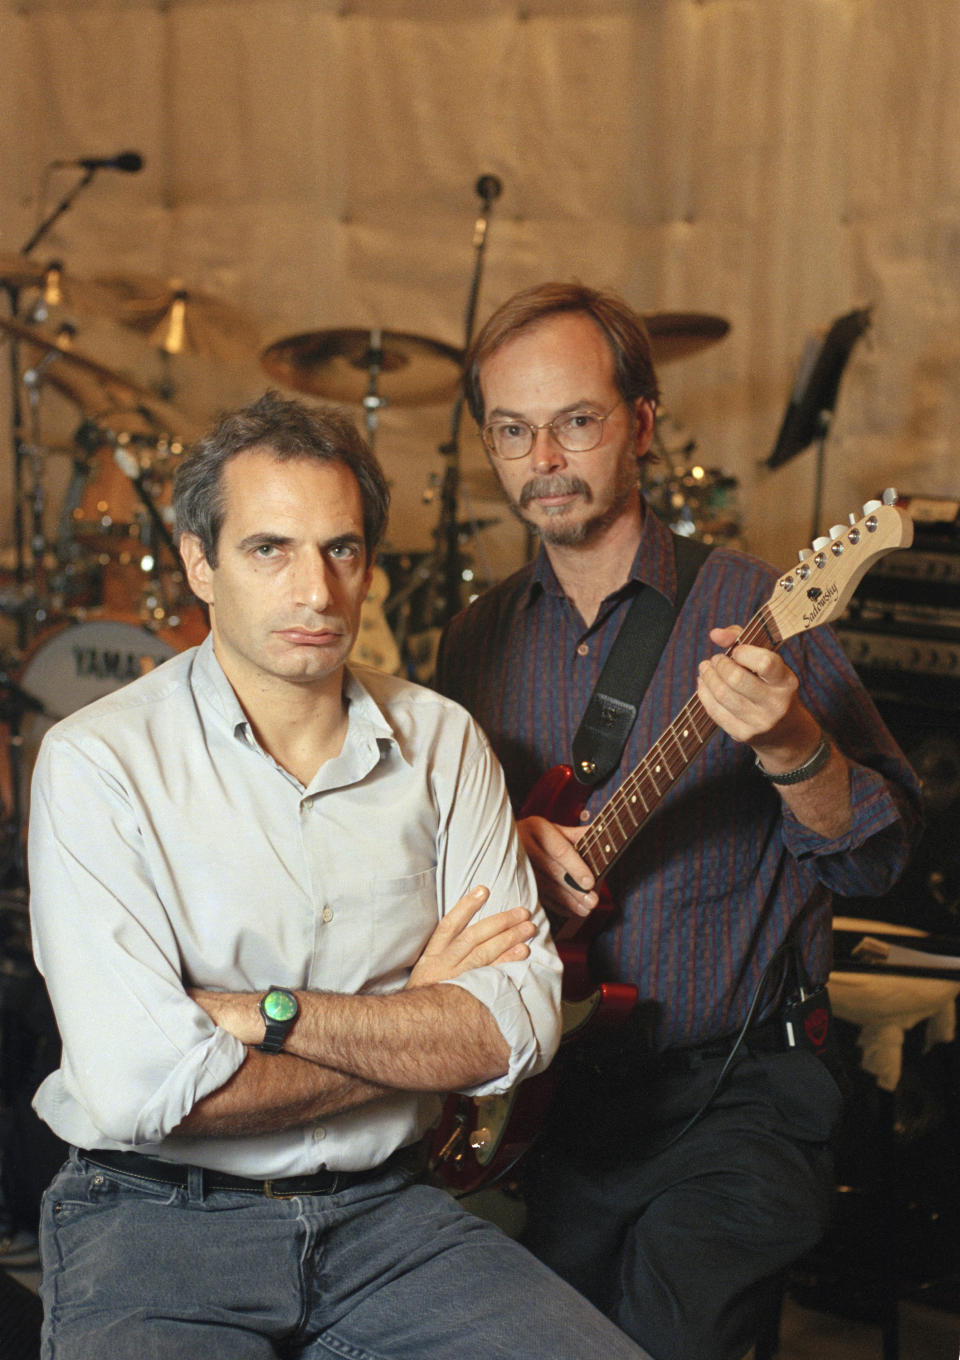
<point>810,594</point>
<point>641,793</point>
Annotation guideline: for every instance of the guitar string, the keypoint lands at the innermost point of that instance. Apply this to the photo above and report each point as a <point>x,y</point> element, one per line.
<point>642,777</point>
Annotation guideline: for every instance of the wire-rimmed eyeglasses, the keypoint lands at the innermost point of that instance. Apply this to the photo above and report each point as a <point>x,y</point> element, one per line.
<point>575,431</point>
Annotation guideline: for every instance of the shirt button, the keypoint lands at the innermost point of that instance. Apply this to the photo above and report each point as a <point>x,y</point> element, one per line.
<point>327,915</point>
<point>583,650</point>
<point>584,815</point>
<point>319,1134</point>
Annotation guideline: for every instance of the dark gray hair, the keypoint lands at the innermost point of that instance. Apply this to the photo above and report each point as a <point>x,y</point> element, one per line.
<point>291,430</point>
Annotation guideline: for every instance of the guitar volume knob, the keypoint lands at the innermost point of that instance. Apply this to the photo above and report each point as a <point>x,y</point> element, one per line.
<point>480,1139</point>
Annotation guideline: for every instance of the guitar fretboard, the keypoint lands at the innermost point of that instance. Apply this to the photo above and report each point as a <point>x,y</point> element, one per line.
<point>619,820</point>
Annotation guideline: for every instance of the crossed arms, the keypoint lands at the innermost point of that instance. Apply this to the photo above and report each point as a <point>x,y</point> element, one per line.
<point>345,1051</point>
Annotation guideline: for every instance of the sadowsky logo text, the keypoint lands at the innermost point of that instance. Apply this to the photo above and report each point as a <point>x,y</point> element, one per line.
<point>822,601</point>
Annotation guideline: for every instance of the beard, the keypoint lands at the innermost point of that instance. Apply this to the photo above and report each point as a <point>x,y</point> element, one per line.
<point>556,533</point>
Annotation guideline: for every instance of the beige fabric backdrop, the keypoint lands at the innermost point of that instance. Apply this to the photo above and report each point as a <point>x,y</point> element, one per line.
<point>774,162</point>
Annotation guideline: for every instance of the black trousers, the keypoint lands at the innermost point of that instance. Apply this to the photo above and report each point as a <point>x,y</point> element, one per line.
<point>675,1241</point>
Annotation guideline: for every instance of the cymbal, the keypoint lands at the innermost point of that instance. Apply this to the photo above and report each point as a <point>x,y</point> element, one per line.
<point>105,397</point>
<point>413,370</point>
<point>177,319</point>
<point>57,287</point>
<point>677,335</point>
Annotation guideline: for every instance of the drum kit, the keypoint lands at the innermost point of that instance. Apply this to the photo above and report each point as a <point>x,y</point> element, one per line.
<point>92,593</point>
<point>100,598</point>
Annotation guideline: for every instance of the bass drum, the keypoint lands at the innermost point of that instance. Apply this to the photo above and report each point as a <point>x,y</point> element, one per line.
<point>73,663</point>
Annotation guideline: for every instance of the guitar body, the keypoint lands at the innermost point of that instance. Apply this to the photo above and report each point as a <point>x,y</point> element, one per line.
<point>560,797</point>
<point>480,1140</point>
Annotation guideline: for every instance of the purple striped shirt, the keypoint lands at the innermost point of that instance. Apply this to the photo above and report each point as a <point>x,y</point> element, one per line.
<point>709,889</point>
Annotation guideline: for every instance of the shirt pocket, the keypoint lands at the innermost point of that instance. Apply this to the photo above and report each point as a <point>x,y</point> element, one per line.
<point>401,915</point>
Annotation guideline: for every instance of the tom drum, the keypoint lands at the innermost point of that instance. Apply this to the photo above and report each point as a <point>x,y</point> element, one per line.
<point>73,663</point>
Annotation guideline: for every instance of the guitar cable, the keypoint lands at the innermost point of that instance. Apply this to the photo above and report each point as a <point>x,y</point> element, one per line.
<point>737,1045</point>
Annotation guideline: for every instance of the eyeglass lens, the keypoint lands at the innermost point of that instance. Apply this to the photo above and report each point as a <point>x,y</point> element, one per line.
<point>577,432</point>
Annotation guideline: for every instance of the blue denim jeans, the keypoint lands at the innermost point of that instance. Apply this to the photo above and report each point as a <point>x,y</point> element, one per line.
<point>384,1270</point>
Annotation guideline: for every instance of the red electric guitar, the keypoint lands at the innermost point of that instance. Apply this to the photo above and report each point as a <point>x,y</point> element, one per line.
<point>479,1140</point>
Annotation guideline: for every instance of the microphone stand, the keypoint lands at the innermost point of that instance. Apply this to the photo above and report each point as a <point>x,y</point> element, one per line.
<point>59,210</point>
<point>22,452</point>
<point>447,532</point>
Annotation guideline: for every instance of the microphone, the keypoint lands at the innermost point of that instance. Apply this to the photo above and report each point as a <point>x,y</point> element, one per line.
<point>127,161</point>
<point>489,188</point>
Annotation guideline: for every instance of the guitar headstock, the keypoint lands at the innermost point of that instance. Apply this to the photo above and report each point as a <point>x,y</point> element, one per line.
<point>819,588</point>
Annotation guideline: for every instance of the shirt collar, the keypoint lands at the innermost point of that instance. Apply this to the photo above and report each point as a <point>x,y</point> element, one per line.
<point>212,682</point>
<point>369,729</point>
<point>365,709</point>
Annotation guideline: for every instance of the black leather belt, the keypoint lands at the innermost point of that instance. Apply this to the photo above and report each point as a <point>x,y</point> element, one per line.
<point>283,1187</point>
<point>768,1037</point>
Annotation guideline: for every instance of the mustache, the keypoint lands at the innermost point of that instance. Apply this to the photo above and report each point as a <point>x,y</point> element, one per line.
<point>552,486</point>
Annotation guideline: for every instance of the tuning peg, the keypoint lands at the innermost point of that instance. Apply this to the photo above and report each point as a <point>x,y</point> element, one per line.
<point>837,530</point>
<point>804,553</point>
<point>890,496</point>
<point>871,507</point>
<point>820,543</point>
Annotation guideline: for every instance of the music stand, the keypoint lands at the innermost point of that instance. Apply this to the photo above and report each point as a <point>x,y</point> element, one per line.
<point>813,400</point>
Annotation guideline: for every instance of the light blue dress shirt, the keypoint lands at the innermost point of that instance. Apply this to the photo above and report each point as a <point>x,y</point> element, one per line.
<point>169,850</point>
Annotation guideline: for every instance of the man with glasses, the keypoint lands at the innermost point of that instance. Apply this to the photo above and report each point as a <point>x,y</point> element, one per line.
<point>686,1158</point>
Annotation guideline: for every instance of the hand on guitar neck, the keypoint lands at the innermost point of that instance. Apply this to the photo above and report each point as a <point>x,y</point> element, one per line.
<point>747,691</point>
<point>551,850</point>
<point>752,695</point>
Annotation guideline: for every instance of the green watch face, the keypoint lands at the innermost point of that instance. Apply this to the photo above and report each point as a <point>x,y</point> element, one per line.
<point>279,1006</point>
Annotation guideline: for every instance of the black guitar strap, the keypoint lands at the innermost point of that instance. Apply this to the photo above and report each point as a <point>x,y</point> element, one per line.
<point>612,710</point>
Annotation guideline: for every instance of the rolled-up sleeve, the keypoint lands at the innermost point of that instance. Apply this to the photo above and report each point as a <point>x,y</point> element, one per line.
<point>478,844</point>
<point>869,858</point>
<point>138,1053</point>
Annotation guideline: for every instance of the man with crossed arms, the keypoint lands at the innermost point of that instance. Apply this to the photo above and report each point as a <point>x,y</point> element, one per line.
<point>257,904</point>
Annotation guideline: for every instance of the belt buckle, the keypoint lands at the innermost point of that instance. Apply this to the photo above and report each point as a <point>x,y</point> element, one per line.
<point>270,1193</point>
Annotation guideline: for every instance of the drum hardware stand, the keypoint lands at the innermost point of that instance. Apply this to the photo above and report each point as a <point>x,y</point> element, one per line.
<point>88,438</point>
<point>399,601</point>
<point>129,466</point>
<point>32,455</point>
<point>22,453</point>
<point>372,401</point>
<point>447,533</point>
<point>16,422</point>
<point>161,537</point>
